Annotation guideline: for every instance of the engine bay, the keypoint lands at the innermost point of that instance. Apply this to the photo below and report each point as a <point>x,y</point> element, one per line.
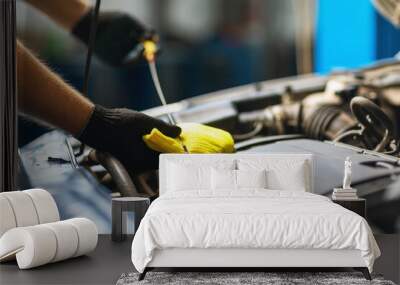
<point>351,113</point>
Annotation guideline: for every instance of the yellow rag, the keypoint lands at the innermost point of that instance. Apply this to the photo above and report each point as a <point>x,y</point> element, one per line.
<point>197,138</point>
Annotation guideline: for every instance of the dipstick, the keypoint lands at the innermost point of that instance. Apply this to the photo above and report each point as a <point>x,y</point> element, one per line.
<point>149,52</point>
<point>156,81</point>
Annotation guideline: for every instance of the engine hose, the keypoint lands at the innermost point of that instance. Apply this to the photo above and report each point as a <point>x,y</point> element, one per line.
<point>117,171</point>
<point>322,122</point>
<point>258,127</point>
<point>325,117</point>
<point>316,125</point>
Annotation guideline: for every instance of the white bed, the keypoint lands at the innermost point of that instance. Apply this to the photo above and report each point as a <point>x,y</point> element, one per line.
<point>248,227</point>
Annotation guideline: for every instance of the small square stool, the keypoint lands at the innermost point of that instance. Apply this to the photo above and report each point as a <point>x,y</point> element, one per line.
<point>120,208</point>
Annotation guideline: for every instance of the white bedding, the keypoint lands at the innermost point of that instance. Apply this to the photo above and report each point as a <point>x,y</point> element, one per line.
<point>250,219</point>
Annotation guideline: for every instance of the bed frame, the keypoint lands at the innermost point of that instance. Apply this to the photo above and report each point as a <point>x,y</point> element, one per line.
<point>246,258</point>
<point>242,259</point>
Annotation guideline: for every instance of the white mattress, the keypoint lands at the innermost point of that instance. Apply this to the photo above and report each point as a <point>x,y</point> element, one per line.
<point>253,219</point>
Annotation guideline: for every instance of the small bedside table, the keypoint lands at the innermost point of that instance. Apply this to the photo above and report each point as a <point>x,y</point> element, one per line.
<point>120,207</point>
<point>358,206</point>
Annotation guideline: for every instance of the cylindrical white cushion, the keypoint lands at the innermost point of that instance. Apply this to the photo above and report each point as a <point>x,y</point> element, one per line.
<point>26,208</point>
<point>33,246</point>
<point>23,208</point>
<point>45,205</point>
<point>87,234</point>
<point>41,244</point>
<point>7,218</point>
<point>67,240</point>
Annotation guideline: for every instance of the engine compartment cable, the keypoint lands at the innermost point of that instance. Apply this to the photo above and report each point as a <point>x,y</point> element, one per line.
<point>258,127</point>
<point>92,42</point>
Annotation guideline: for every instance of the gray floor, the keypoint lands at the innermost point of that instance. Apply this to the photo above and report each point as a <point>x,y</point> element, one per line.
<point>103,266</point>
<point>110,260</point>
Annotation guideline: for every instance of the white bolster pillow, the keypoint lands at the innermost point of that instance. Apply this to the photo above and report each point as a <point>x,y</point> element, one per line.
<point>40,244</point>
<point>87,235</point>
<point>7,219</point>
<point>22,207</point>
<point>26,208</point>
<point>45,206</point>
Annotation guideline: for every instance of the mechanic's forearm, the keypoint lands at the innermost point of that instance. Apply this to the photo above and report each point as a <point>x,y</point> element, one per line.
<point>44,95</point>
<point>65,12</point>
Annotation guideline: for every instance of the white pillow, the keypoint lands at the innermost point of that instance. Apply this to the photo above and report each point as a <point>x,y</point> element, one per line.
<point>226,179</point>
<point>282,174</point>
<point>251,178</point>
<point>186,174</point>
<point>183,178</point>
<point>223,179</point>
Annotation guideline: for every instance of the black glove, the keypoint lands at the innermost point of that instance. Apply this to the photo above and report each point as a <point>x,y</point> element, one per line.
<point>120,131</point>
<point>117,35</point>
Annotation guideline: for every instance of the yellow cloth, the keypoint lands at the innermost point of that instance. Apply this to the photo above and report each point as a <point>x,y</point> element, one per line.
<point>197,138</point>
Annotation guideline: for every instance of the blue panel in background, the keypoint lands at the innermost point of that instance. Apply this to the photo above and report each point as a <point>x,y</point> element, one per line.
<point>345,35</point>
<point>387,38</point>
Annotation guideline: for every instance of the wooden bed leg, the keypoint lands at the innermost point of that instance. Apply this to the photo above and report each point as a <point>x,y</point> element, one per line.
<point>142,275</point>
<point>364,271</point>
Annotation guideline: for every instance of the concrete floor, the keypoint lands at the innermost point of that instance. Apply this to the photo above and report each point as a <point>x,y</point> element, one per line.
<point>110,260</point>
<point>103,266</point>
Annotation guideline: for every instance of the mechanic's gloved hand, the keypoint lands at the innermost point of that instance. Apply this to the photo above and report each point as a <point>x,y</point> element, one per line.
<point>120,132</point>
<point>117,35</point>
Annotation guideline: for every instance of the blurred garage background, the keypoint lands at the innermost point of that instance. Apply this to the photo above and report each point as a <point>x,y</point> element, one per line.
<point>208,45</point>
